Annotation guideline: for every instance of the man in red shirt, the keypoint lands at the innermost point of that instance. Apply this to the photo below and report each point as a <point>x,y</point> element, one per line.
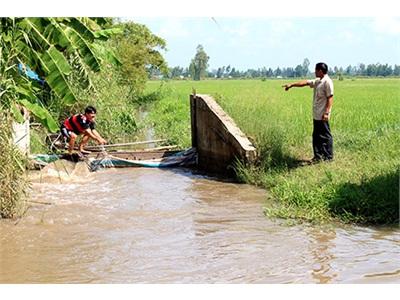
<point>81,124</point>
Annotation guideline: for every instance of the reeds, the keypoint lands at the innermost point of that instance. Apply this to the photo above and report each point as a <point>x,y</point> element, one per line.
<point>13,180</point>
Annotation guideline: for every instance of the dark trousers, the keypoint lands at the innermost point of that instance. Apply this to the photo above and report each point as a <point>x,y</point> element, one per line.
<point>322,140</point>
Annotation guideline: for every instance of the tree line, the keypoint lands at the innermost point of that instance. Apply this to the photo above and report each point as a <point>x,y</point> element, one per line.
<point>371,70</point>
<point>198,68</point>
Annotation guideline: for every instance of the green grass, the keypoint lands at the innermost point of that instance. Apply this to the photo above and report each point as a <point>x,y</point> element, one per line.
<point>362,183</point>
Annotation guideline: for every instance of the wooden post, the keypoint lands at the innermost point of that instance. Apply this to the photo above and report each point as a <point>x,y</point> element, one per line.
<point>21,133</point>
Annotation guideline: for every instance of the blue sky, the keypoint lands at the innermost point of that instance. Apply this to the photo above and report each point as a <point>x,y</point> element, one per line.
<point>251,33</point>
<point>252,42</point>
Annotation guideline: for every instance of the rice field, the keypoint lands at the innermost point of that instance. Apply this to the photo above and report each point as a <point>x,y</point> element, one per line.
<point>362,183</point>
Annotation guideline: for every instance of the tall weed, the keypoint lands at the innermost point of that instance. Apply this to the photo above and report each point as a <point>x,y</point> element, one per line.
<point>13,180</point>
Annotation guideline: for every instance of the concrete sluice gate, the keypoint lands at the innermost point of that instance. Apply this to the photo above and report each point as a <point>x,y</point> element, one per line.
<point>218,140</point>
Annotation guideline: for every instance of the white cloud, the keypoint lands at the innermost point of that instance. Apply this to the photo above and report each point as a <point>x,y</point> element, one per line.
<point>387,25</point>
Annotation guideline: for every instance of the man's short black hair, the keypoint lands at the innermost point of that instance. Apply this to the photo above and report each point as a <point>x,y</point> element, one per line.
<point>322,66</point>
<point>90,110</point>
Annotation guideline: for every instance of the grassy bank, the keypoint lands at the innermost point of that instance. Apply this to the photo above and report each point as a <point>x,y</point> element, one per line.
<point>360,185</point>
<point>13,181</point>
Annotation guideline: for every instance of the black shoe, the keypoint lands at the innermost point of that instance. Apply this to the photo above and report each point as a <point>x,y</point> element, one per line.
<point>328,159</point>
<point>315,160</point>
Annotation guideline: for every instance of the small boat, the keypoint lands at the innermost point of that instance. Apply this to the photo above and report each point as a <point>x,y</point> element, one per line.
<point>112,155</point>
<point>162,157</point>
<point>149,159</point>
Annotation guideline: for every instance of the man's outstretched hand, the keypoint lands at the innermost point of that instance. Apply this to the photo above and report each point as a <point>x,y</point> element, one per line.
<point>287,86</point>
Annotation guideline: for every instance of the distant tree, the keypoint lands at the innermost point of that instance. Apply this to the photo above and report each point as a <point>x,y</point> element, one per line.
<point>199,63</point>
<point>306,65</point>
<point>192,69</point>
<point>289,72</point>
<point>228,69</point>
<point>252,73</point>
<point>349,70</point>
<point>396,70</point>
<point>235,73</point>
<point>341,71</point>
<point>361,69</point>
<point>335,70</point>
<point>212,73</point>
<point>386,70</point>
<point>264,72</point>
<point>299,71</point>
<point>219,73</point>
<point>302,71</point>
<point>186,72</point>
<point>371,70</point>
<point>175,72</point>
<point>278,72</point>
<point>232,72</point>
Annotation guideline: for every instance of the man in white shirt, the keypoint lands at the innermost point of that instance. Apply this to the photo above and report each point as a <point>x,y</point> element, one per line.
<point>322,105</point>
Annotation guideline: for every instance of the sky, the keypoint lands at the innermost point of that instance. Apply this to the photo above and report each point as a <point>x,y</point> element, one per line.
<point>251,33</point>
<point>253,42</point>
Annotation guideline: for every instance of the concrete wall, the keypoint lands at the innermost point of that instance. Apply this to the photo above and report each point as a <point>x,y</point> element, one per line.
<point>21,133</point>
<point>218,140</point>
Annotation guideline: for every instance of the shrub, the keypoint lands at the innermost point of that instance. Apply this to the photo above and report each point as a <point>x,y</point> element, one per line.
<point>13,181</point>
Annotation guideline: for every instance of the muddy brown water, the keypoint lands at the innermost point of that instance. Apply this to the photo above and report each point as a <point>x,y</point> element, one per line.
<point>172,226</point>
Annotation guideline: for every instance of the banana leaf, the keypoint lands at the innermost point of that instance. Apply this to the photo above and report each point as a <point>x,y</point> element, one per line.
<point>42,114</point>
<point>105,34</point>
<point>84,49</point>
<point>106,54</point>
<point>56,77</point>
<point>16,113</point>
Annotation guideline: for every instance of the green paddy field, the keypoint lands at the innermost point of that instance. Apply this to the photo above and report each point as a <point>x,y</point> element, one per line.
<point>361,185</point>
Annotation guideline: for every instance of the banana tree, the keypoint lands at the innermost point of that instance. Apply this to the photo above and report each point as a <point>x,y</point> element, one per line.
<point>48,46</point>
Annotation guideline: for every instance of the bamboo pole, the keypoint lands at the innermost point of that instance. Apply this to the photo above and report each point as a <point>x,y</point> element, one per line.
<point>123,144</point>
<point>166,148</point>
<point>163,148</point>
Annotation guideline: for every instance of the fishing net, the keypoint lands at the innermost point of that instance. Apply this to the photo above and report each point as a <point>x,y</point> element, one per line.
<point>102,160</point>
